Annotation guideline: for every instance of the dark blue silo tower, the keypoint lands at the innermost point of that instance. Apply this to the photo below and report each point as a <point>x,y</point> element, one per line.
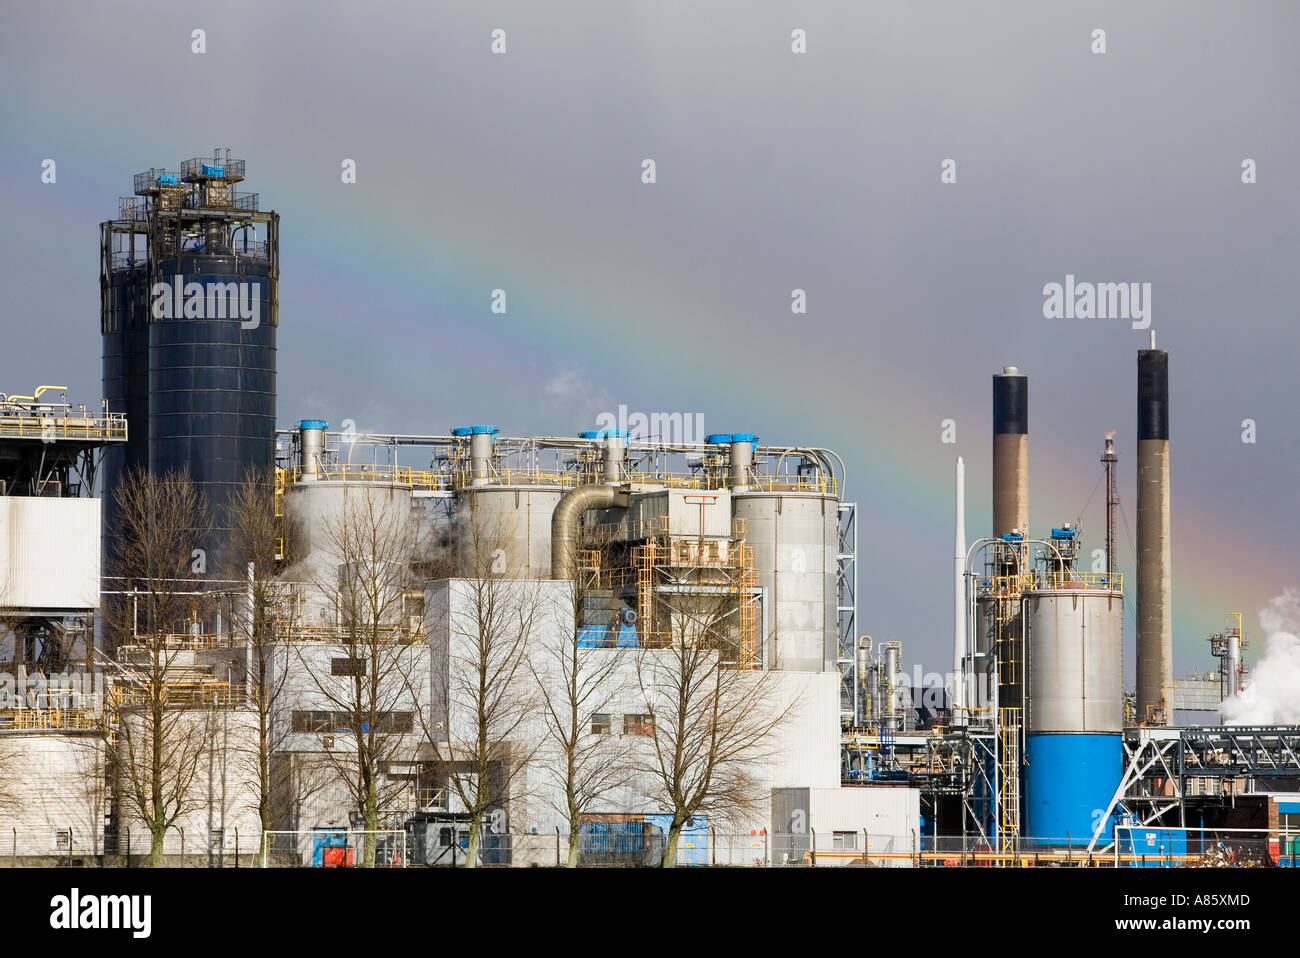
<point>189,275</point>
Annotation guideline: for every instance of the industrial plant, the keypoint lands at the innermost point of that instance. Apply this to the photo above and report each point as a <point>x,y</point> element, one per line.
<point>238,641</point>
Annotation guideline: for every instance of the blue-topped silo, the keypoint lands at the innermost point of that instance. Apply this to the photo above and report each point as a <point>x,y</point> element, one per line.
<point>189,275</point>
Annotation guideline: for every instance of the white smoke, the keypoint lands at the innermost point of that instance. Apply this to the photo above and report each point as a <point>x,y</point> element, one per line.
<point>1272,694</point>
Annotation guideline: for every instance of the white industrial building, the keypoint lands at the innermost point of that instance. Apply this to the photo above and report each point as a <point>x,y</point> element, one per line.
<point>751,533</point>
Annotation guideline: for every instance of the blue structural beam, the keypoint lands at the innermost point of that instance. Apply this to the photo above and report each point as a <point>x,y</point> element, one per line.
<point>1069,781</point>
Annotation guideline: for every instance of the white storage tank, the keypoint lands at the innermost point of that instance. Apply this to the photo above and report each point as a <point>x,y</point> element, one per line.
<point>317,511</point>
<point>513,519</point>
<point>1075,660</point>
<point>795,538</point>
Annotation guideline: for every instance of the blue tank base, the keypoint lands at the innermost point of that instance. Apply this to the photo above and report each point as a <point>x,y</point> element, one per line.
<point>1069,781</point>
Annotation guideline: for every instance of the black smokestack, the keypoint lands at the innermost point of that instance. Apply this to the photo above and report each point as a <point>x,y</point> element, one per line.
<point>1153,394</point>
<point>1155,666</point>
<point>1010,451</point>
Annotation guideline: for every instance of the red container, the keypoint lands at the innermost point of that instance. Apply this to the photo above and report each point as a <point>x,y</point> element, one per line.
<point>336,857</point>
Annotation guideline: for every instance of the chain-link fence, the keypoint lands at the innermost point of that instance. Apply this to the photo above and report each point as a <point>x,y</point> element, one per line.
<point>334,848</point>
<point>633,844</point>
<point>79,846</point>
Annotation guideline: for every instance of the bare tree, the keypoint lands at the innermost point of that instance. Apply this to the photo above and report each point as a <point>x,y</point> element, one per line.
<point>262,618</point>
<point>578,676</point>
<point>484,697</point>
<point>364,571</point>
<point>711,723</point>
<point>157,726</point>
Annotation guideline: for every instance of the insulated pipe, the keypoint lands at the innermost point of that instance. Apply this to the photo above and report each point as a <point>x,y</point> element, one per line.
<point>1234,659</point>
<point>480,458</point>
<point>564,522</point>
<point>863,670</point>
<point>1155,667</point>
<point>741,460</point>
<point>481,440</point>
<point>614,456</point>
<point>894,716</point>
<point>311,445</point>
<point>1010,452</point>
<point>959,600</point>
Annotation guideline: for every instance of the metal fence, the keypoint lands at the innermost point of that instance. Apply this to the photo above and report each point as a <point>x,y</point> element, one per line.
<point>333,848</point>
<point>632,845</point>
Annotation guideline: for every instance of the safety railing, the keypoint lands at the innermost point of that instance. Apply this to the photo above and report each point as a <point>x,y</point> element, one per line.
<point>189,640</point>
<point>109,428</point>
<point>203,167</point>
<point>181,694</point>
<point>396,475</point>
<point>1103,581</point>
<point>706,479</point>
<point>501,476</point>
<point>48,718</point>
<point>653,527</point>
<point>317,631</point>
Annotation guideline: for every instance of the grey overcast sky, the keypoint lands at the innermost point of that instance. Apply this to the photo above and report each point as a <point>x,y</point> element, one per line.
<point>775,171</point>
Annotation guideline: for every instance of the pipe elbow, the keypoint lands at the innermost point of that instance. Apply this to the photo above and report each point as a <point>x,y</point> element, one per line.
<point>568,513</point>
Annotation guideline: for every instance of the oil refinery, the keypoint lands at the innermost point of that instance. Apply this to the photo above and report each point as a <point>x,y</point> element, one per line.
<point>597,647</point>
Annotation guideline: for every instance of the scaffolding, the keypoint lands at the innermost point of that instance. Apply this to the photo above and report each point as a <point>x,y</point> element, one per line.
<point>666,575</point>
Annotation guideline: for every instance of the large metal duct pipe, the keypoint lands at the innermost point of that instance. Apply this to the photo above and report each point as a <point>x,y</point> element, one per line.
<point>311,445</point>
<point>481,439</point>
<point>1155,666</point>
<point>1010,452</point>
<point>564,522</point>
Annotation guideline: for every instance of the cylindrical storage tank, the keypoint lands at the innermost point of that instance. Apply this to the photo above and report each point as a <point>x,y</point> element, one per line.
<point>314,511</point>
<point>125,328</point>
<point>1074,711</point>
<point>795,538</point>
<point>516,520</point>
<point>330,519</point>
<point>311,446</point>
<point>212,377</point>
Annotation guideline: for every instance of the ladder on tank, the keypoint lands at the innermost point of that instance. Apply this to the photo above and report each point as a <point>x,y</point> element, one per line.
<point>1008,779</point>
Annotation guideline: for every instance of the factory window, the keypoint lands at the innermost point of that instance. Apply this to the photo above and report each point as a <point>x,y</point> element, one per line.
<point>846,841</point>
<point>312,722</point>
<point>347,666</point>
<point>342,722</point>
<point>600,723</point>
<point>638,725</point>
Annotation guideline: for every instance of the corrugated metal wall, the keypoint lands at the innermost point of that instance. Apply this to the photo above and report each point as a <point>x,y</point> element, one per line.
<point>49,553</point>
<point>885,818</point>
<point>807,751</point>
